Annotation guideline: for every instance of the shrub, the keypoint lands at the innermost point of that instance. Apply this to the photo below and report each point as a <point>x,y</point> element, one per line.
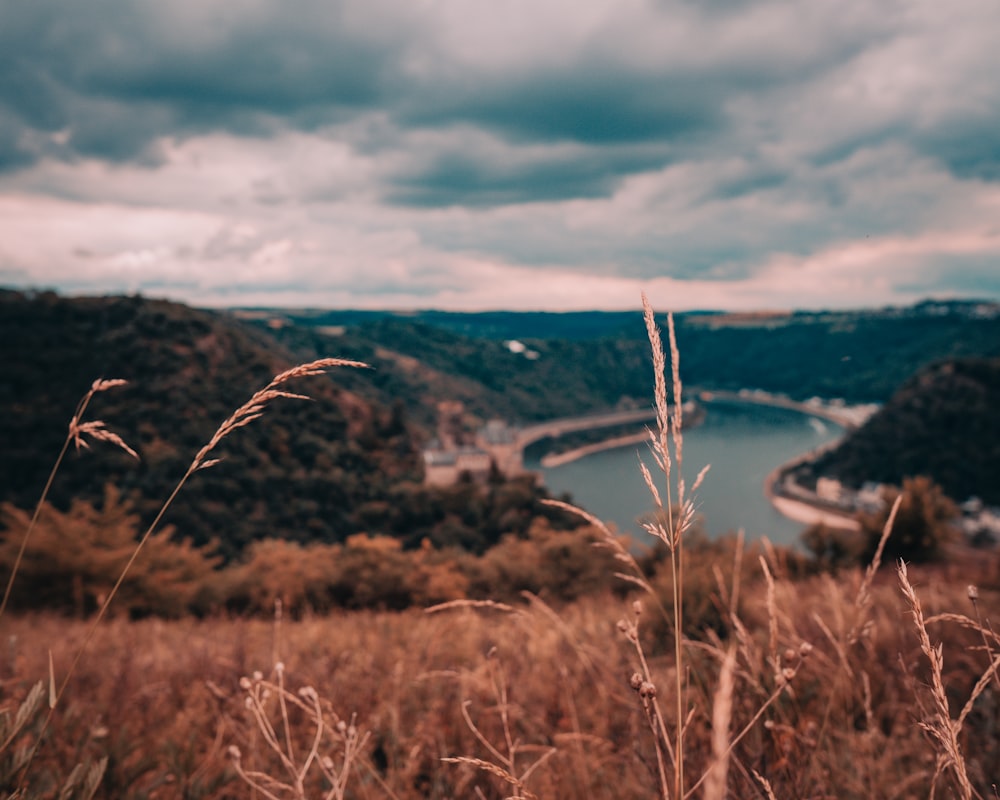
<point>924,523</point>
<point>74,557</point>
<point>559,565</point>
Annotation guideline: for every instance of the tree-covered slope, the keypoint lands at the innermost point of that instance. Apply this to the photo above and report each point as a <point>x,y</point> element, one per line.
<point>861,356</point>
<point>942,423</point>
<point>323,470</point>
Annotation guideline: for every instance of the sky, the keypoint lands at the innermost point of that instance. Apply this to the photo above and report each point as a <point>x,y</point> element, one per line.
<point>517,154</point>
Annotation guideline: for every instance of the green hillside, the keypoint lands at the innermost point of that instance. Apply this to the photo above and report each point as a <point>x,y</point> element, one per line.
<point>942,423</point>
<point>420,364</point>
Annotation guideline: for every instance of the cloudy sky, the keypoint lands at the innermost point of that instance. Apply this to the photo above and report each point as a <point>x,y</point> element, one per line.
<point>554,154</point>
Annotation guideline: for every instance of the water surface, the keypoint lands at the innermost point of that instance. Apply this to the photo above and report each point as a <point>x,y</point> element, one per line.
<point>741,442</point>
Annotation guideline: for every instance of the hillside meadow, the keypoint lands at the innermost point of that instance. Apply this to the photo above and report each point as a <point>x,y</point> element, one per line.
<point>162,700</point>
<point>556,663</point>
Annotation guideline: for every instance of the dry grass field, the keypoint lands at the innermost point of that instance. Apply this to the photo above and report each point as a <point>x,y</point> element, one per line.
<point>162,700</point>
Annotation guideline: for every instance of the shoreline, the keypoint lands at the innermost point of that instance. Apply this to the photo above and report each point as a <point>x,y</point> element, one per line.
<point>807,511</point>
<point>808,514</point>
<point>558,459</point>
<point>800,509</point>
<point>807,508</point>
<point>575,454</point>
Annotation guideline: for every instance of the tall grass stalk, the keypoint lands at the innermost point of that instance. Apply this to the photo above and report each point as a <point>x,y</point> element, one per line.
<point>675,518</point>
<point>251,410</point>
<point>941,727</point>
<point>97,430</point>
<point>504,765</point>
<point>672,520</point>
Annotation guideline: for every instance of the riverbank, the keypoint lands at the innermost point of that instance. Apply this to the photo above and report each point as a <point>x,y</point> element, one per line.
<point>798,504</point>
<point>744,443</point>
<point>792,501</point>
<point>788,498</point>
<point>694,416</point>
<point>558,459</point>
<point>809,514</point>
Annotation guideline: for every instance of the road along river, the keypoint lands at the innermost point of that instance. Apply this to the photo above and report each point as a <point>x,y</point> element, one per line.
<point>742,442</point>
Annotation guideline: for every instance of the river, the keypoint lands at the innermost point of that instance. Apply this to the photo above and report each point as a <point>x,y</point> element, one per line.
<point>741,442</point>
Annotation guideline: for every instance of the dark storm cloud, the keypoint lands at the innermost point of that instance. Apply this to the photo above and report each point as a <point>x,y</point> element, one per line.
<point>621,125</point>
<point>288,74</point>
<point>112,76</point>
<point>467,178</point>
<point>30,93</point>
<point>970,149</point>
<point>594,104</point>
<point>109,78</point>
<point>749,184</point>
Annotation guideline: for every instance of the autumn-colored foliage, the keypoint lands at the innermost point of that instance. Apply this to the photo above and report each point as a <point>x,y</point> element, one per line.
<point>74,557</point>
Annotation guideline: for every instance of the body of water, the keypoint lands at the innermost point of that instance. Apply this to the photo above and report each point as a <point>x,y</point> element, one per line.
<point>741,442</point>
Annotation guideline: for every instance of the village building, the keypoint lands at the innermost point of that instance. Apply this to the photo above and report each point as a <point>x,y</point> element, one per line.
<point>456,452</point>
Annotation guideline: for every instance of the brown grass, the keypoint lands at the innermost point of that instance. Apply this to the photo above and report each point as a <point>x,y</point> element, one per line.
<point>162,700</point>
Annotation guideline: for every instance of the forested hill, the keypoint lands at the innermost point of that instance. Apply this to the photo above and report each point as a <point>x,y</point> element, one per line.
<point>942,423</point>
<point>309,471</point>
<point>349,462</point>
<point>585,361</point>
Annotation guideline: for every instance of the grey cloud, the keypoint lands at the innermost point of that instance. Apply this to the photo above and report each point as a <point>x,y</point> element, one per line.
<point>970,149</point>
<point>463,177</point>
<point>700,138</point>
<point>595,104</point>
<point>188,68</point>
<point>544,238</point>
<point>15,152</point>
<point>30,94</point>
<point>194,54</point>
<point>716,222</point>
<point>969,276</point>
<point>114,131</point>
<point>116,77</point>
<point>758,180</point>
<point>968,146</point>
<point>263,72</point>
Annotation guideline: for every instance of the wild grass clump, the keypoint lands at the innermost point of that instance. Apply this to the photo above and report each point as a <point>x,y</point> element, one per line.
<point>162,700</point>
<point>312,758</point>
